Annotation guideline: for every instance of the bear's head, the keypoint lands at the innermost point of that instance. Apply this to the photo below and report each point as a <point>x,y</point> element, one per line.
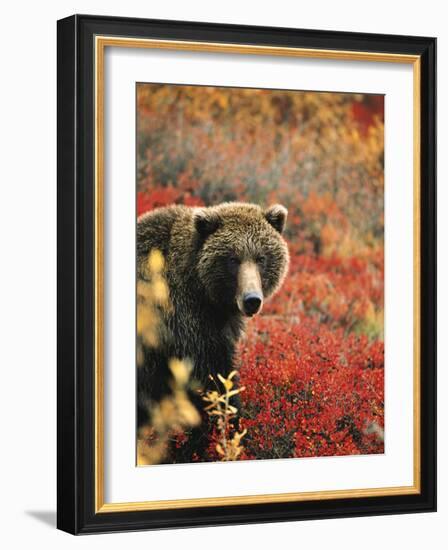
<point>242,256</point>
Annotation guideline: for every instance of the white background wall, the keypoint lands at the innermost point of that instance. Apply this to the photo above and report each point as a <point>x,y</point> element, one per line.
<point>28,271</point>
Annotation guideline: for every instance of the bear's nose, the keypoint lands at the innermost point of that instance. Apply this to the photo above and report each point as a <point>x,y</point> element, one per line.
<point>252,303</point>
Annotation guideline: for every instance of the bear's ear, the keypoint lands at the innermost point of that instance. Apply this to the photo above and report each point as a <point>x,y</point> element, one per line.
<point>276,215</point>
<point>206,221</point>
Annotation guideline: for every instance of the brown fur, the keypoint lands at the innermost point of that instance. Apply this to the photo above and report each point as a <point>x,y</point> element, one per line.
<point>212,257</point>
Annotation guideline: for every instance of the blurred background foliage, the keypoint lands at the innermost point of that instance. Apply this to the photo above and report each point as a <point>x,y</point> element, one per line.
<point>319,153</point>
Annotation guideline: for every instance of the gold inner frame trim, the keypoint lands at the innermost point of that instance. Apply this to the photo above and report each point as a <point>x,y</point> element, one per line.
<point>101,42</point>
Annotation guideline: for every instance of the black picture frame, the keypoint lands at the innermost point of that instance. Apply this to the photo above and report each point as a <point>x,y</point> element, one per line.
<point>76,275</point>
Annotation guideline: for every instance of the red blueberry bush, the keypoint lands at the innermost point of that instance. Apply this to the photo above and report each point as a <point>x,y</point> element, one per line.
<point>316,392</point>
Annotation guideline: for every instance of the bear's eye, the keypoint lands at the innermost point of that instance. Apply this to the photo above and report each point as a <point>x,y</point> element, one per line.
<point>234,261</point>
<point>261,260</point>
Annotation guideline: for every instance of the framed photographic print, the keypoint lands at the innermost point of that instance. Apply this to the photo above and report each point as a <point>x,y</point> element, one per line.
<point>246,274</point>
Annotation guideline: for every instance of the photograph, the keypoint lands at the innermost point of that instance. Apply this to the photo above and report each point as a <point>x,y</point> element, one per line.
<point>228,214</point>
<point>259,274</point>
<point>246,274</point>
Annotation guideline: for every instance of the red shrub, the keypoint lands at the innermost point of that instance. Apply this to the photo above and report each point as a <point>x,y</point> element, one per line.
<point>310,391</point>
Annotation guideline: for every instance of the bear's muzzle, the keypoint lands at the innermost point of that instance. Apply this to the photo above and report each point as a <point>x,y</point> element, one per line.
<point>249,296</point>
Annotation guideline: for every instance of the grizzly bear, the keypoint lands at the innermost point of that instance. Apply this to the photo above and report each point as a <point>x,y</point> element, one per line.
<point>220,264</point>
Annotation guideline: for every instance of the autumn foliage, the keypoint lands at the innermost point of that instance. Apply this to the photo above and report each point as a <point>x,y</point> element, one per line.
<point>312,363</point>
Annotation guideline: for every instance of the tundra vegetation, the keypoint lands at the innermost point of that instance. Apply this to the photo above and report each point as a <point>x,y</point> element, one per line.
<point>311,365</point>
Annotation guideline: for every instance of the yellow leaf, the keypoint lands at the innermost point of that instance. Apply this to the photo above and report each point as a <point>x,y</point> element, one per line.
<point>156,261</point>
<point>228,384</point>
<point>220,449</point>
<point>181,371</point>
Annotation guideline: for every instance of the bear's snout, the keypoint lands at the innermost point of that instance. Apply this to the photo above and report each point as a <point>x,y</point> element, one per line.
<point>249,293</point>
<point>252,303</point>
